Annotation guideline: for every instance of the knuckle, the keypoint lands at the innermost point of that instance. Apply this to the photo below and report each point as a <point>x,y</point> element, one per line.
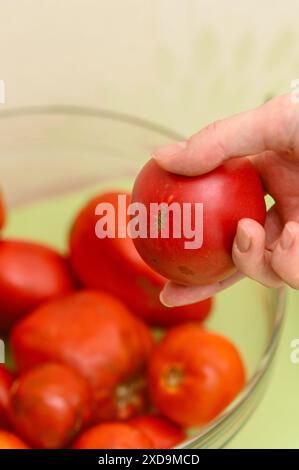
<point>293,282</point>
<point>214,130</point>
<point>210,131</point>
<point>286,271</point>
<point>241,260</point>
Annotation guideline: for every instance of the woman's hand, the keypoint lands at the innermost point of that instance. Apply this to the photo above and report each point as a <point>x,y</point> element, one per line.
<point>269,135</point>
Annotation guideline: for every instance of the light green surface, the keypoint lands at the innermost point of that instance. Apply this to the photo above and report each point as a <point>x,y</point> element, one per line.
<point>275,423</point>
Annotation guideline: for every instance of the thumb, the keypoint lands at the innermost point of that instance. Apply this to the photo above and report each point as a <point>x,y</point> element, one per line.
<point>268,127</point>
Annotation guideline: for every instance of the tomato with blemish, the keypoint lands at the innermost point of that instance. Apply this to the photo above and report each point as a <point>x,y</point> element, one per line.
<point>231,192</point>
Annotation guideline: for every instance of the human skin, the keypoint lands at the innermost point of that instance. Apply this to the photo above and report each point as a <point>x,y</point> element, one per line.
<point>269,136</point>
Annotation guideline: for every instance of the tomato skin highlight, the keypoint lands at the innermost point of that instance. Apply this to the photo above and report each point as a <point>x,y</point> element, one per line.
<point>112,436</point>
<point>194,374</point>
<point>6,381</point>
<point>229,193</point>
<point>162,433</point>
<point>97,335</point>
<point>50,404</point>
<point>10,441</point>
<point>114,265</point>
<point>30,274</point>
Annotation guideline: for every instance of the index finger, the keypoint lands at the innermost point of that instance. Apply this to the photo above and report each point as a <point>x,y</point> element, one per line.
<point>272,126</point>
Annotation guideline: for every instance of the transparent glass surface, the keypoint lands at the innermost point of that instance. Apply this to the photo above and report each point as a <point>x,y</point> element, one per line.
<point>50,154</point>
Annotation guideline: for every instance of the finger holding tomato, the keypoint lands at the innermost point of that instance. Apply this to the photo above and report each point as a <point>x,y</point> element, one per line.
<point>267,253</point>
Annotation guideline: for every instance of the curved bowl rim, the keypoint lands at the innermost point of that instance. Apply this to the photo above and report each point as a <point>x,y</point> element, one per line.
<point>250,386</point>
<point>26,111</point>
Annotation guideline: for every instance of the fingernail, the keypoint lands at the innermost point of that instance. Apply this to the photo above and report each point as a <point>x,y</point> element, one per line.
<point>169,149</point>
<point>243,239</point>
<point>162,300</point>
<point>287,238</point>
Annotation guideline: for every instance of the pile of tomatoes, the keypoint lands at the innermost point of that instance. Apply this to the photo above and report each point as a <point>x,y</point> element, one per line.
<point>98,361</point>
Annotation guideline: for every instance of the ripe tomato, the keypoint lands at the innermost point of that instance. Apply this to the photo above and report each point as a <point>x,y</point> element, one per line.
<point>113,436</point>
<point>50,404</point>
<point>95,334</point>
<point>6,380</point>
<point>162,433</point>
<point>113,264</point>
<point>10,441</point>
<point>29,275</point>
<point>231,192</point>
<point>2,212</point>
<point>194,374</point>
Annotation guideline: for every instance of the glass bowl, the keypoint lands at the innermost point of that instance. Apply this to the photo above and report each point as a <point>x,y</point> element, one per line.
<point>51,152</point>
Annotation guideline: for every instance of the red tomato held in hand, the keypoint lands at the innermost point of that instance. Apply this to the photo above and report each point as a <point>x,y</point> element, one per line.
<point>113,436</point>
<point>6,380</point>
<point>114,265</point>
<point>194,374</point>
<point>95,334</point>
<point>229,193</point>
<point>162,433</point>
<point>50,404</point>
<point>10,441</point>
<point>29,275</point>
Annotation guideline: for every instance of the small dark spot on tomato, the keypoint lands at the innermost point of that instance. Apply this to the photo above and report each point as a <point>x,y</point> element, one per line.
<point>186,270</point>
